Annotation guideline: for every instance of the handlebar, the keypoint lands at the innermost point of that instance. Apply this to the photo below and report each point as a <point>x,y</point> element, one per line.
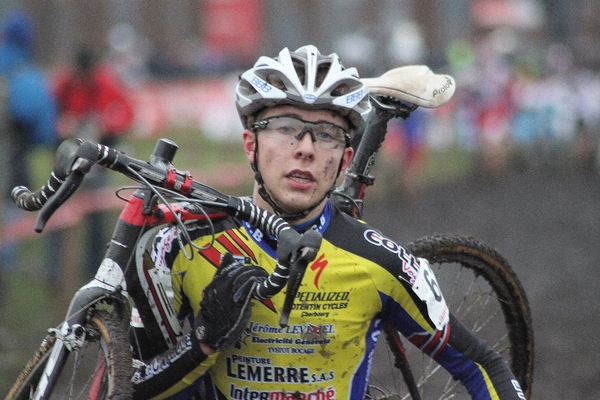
<point>74,157</point>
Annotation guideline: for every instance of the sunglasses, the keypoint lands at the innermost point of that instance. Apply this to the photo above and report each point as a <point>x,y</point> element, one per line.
<point>325,135</point>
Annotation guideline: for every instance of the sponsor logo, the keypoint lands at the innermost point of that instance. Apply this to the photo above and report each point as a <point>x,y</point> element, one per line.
<point>441,90</point>
<point>267,373</point>
<point>310,334</point>
<point>307,329</point>
<point>261,85</point>
<point>245,393</point>
<point>318,304</point>
<point>319,266</point>
<point>354,97</point>
<point>163,244</point>
<point>298,342</point>
<point>410,265</point>
<point>290,350</point>
<point>162,362</point>
<point>322,296</point>
<point>517,387</point>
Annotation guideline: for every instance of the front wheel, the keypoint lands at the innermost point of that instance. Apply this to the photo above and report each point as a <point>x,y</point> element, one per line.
<point>483,291</point>
<point>99,369</point>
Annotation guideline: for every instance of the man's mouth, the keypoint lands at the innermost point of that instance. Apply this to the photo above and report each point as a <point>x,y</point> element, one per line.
<point>300,177</point>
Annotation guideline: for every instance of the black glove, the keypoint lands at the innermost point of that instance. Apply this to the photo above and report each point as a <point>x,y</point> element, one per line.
<point>225,305</point>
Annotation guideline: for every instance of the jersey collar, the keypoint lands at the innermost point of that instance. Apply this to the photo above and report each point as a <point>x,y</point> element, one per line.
<point>269,244</point>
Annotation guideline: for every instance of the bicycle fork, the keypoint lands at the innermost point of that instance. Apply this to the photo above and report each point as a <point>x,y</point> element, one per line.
<point>108,283</point>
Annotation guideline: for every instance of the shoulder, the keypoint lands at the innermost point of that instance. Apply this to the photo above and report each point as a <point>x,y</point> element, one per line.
<point>363,240</point>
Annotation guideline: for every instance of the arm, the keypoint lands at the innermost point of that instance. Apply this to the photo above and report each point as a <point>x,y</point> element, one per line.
<point>223,314</point>
<point>480,369</point>
<point>177,371</point>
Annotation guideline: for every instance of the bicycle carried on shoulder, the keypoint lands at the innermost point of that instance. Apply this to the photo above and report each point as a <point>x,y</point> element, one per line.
<point>478,283</point>
<point>89,354</point>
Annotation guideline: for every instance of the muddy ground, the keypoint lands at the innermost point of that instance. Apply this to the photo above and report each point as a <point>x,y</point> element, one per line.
<point>546,222</point>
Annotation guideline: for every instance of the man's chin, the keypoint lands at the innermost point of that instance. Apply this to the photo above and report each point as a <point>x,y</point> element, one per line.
<point>301,207</point>
<point>298,204</point>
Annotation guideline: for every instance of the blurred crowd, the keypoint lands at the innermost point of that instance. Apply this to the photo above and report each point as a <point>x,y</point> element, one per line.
<point>508,110</point>
<point>507,102</point>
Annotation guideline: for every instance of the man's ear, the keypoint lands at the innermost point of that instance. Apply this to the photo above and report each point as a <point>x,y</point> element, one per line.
<point>249,139</point>
<point>347,157</point>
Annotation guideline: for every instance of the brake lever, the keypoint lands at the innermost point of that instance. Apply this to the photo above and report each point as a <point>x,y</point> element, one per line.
<point>72,182</point>
<point>306,251</point>
<point>65,191</point>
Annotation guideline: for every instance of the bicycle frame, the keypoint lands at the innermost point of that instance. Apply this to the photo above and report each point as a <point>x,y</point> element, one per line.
<point>125,271</point>
<point>122,273</point>
<point>349,196</point>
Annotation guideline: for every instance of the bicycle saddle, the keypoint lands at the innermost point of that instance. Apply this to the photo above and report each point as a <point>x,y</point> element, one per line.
<point>416,84</point>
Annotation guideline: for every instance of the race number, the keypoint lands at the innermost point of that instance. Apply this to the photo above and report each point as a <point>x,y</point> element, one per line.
<point>427,289</point>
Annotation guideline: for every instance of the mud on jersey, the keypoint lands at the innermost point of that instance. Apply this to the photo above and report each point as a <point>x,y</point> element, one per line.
<point>359,281</point>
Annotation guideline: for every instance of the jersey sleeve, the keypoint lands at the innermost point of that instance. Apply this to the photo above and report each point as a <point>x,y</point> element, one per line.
<point>174,374</point>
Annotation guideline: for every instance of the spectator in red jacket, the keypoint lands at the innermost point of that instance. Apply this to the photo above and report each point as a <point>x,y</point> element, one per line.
<point>94,105</point>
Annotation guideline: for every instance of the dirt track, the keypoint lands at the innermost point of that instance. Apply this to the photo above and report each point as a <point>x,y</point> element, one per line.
<point>546,222</point>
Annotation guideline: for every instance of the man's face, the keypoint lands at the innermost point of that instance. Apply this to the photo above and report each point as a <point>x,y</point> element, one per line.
<point>296,175</point>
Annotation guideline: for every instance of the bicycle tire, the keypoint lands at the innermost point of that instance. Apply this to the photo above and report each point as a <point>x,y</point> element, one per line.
<point>492,302</point>
<point>100,369</point>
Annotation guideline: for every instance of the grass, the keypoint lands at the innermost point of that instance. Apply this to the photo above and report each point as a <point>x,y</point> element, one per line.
<point>27,311</point>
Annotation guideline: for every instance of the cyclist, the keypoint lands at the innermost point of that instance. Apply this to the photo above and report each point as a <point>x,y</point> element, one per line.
<point>299,111</point>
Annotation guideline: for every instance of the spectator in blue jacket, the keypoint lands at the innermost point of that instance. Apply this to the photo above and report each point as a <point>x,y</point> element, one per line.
<point>27,112</point>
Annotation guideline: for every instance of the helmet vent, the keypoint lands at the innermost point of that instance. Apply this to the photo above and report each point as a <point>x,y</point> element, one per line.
<point>322,72</point>
<point>340,90</point>
<point>276,81</point>
<point>300,71</point>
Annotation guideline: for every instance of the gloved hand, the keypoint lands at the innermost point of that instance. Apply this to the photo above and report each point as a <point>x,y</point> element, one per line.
<point>225,305</point>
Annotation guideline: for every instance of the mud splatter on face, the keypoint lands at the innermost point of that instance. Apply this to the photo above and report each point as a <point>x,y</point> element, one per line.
<point>330,170</point>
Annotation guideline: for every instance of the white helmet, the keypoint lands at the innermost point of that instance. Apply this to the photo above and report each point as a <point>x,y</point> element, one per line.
<point>303,78</point>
